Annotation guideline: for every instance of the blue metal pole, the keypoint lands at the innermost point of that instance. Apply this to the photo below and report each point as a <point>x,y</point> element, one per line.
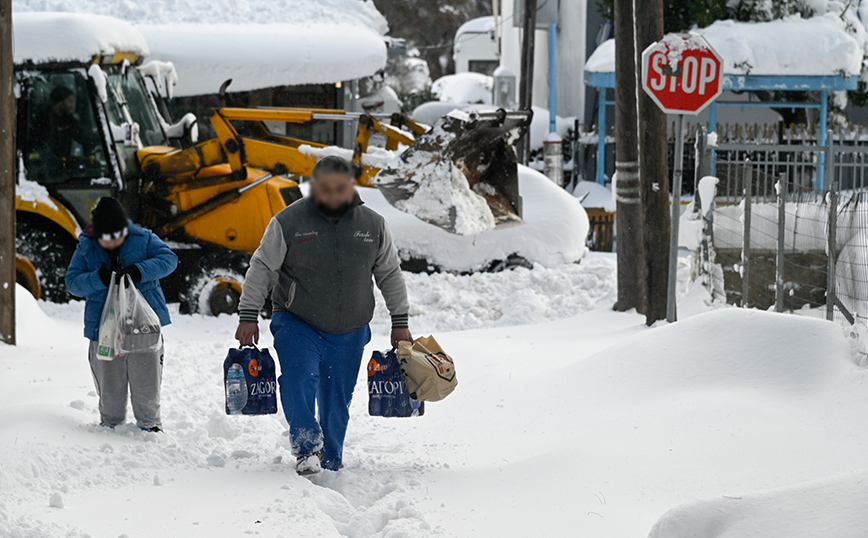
<point>601,136</point>
<point>821,155</point>
<point>553,78</point>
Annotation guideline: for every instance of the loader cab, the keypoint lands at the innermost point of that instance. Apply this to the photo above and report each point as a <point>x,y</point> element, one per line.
<point>79,130</point>
<point>60,142</point>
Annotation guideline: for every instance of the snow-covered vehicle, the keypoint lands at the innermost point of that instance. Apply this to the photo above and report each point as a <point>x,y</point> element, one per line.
<point>91,123</point>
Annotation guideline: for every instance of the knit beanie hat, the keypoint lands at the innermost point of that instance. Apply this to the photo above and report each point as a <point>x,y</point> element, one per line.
<point>109,219</point>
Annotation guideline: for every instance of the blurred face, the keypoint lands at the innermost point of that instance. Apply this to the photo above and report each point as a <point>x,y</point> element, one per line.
<point>112,243</point>
<point>65,107</point>
<point>333,189</point>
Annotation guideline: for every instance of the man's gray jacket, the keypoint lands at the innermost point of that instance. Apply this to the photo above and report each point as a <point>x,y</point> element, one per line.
<point>320,268</point>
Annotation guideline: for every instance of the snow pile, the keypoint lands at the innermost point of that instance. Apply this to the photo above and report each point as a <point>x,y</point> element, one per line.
<point>593,195</point>
<point>821,45</point>
<point>33,192</point>
<point>690,228</point>
<point>70,37</point>
<point>837,507</point>
<point>426,183</point>
<point>447,203</point>
<point>448,302</point>
<point>316,53</point>
<point>464,88</point>
<point>554,230</point>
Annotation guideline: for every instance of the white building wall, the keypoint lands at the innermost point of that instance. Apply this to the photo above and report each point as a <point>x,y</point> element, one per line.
<point>570,56</point>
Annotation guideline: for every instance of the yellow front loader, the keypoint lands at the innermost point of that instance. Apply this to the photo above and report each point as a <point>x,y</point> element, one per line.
<point>212,200</point>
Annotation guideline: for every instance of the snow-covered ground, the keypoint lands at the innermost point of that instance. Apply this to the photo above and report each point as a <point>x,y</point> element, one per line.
<point>569,420</point>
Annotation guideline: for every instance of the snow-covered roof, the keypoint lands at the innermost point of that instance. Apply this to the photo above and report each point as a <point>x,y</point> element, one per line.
<point>256,43</point>
<point>790,46</point>
<point>72,37</point>
<point>297,12</point>
<point>479,25</point>
<point>258,56</point>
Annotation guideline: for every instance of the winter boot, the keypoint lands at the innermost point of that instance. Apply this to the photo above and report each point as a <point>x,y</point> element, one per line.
<point>309,464</point>
<point>153,429</point>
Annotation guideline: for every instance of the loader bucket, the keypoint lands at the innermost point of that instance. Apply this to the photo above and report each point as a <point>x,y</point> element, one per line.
<point>461,175</point>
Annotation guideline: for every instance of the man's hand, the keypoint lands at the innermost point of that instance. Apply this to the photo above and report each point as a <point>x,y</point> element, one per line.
<point>247,333</point>
<point>401,335</point>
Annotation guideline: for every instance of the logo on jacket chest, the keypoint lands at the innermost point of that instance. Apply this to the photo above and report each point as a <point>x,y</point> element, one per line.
<point>365,236</point>
<point>304,237</point>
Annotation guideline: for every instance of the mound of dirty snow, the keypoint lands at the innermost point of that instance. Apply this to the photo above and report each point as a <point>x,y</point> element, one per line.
<point>553,232</point>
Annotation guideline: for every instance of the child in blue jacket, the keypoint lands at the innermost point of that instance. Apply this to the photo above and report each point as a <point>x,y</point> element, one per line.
<point>111,243</point>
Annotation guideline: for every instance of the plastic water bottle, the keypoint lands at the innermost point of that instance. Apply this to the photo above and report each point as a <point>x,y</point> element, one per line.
<point>236,390</point>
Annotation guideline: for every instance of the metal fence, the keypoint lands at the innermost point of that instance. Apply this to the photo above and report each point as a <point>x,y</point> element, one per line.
<point>773,240</point>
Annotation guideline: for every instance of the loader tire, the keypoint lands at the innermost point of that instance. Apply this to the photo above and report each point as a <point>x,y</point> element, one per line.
<point>48,249</point>
<point>212,286</point>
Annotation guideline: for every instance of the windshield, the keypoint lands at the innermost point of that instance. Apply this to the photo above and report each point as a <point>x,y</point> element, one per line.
<point>128,102</point>
<point>129,89</point>
<point>62,142</point>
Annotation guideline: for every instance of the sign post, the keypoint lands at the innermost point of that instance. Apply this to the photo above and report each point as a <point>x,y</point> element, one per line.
<point>683,75</point>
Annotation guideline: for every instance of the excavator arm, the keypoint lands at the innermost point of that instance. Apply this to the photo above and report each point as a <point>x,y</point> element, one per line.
<point>476,146</point>
<point>277,154</point>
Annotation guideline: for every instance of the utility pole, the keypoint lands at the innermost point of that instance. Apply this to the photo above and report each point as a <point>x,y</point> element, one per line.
<point>7,178</point>
<point>653,169</point>
<point>628,193</point>
<point>526,90</point>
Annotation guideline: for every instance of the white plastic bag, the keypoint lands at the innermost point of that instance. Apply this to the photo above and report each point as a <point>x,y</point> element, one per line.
<point>138,326</point>
<point>108,324</point>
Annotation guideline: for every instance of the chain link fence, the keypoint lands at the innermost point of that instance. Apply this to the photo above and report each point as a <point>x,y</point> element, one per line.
<point>773,240</point>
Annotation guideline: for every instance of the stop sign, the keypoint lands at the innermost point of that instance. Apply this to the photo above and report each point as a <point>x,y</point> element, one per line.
<point>682,73</point>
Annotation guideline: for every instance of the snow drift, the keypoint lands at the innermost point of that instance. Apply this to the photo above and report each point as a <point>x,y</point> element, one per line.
<point>836,507</point>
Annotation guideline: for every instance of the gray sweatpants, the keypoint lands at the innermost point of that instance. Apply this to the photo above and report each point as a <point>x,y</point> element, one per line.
<point>142,373</point>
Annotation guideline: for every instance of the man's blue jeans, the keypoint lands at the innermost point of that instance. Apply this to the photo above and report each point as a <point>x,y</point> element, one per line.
<point>318,371</point>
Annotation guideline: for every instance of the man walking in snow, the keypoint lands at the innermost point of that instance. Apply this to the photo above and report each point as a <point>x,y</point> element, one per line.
<point>318,257</point>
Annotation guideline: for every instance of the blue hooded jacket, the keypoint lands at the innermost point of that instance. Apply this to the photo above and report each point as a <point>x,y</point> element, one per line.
<point>141,248</point>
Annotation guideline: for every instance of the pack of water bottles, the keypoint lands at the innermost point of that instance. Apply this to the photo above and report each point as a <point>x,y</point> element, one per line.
<point>250,380</point>
<point>387,388</point>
